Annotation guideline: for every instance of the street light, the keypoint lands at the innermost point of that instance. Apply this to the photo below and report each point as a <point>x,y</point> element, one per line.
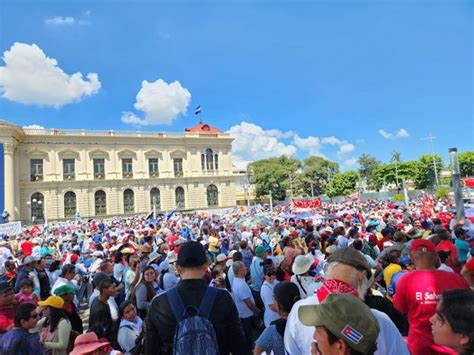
<point>32,206</point>
<point>456,176</point>
<point>271,197</point>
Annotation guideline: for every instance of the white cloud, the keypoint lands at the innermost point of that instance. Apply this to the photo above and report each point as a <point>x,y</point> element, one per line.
<point>60,20</point>
<point>346,148</point>
<point>332,141</point>
<point>348,163</point>
<point>311,144</point>
<point>30,77</point>
<point>161,103</point>
<point>401,133</point>
<point>252,142</point>
<point>33,126</point>
<point>280,134</point>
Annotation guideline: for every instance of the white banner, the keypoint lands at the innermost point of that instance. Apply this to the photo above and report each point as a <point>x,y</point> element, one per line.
<point>12,228</point>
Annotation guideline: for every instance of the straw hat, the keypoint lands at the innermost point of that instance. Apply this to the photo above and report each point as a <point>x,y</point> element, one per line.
<point>302,264</point>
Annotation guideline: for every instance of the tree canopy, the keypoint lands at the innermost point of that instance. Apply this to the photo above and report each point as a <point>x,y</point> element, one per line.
<point>342,184</point>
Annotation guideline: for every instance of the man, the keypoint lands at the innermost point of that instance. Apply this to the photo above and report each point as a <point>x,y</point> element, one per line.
<point>161,323</point>
<point>418,292</point>
<point>43,277</point>
<point>245,302</point>
<point>256,273</point>
<point>68,277</point>
<point>19,340</point>
<point>100,317</point>
<point>343,325</point>
<point>26,271</point>
<point>386,241</point>
<point>7,306</point>
<point>346,273</point>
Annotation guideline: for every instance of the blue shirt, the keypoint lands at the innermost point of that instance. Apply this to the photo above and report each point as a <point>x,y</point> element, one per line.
<point>256,274</point>
<point>270,340</point>
<point>18,341</point>
<point>463,249</point>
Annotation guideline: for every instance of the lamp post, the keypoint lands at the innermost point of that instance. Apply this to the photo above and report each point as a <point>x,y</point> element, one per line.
<point>456,177</point>
<point>33,206</point>
<point>271,197</point>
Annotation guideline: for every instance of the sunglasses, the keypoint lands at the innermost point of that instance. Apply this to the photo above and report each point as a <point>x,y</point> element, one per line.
<point>271,273</point>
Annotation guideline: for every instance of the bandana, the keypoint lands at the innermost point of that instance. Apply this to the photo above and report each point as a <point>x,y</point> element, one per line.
<point>335,286</point>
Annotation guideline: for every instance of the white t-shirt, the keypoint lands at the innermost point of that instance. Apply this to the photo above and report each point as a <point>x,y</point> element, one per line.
<point>266,292</point>
<point>298,337</point>
<point>240,292</point>
<point>118,271</point>
<point>309,284</point>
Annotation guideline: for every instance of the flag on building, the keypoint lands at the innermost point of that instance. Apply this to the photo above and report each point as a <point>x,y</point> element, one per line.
<point>197,111</point>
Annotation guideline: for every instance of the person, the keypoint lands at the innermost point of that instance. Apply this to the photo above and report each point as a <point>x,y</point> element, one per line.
<point>130,327</point>
<point>89,344</point>
<point>447,244</point>
<point>271,340</point>
<point>392,268</point>
<point>54,328</point>
<point>168,277</point>
<point>462,245</point>
<point>26,272</point>
<point>161,323</point>
<point>130,274</point>
<point>218,277</point>
<point>68,277</point>
<point>9,273</point>
<point>443,256</point>
<point>7,306</point>
<point>66,292</point>
<point>418,293</point>
<point>54,271</point>
<point>347,272</point>
<point>100,317</point>
<point>26,294</point>
<point>452,325</point>
<point>266,293</point>
<point>468,272</point>
<point>256,273</point>
<point>18,340</point>
<point>306,283</point>
<point>45,286</point>
<point>342,325</point>
<point>407,266</point>
<point>144,292</point>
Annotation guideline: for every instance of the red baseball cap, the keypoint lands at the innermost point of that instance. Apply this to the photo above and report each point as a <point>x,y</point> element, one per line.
<point>422,245</point>
<point>470,264</point>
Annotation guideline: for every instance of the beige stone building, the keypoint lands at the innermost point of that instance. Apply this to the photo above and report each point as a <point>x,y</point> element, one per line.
<point>53,173</point>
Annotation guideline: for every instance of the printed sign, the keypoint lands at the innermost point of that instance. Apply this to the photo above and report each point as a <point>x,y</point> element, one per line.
<point>12,228</point>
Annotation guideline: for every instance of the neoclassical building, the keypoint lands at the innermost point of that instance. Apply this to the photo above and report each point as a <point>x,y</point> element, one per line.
<point>54,173</point>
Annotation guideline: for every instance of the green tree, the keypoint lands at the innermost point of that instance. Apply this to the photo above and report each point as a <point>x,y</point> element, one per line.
<point>273,174</point>
<point>466,163</point>
<point>387,173</point>
<point>342,184</point>
<point>367,165</point>
<point>316,171</point>
<point>425,177</point>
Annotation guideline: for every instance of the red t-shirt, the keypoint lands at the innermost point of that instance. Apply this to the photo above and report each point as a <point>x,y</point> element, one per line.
<point>418,293</point>
<point>27,247</point>
<point>7,317</point>
<point>446,245</point>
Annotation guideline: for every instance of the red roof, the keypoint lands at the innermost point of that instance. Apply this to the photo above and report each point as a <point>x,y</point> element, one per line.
<point>203,128</point>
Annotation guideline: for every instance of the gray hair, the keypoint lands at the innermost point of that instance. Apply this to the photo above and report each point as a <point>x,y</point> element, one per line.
<point>237,266</point>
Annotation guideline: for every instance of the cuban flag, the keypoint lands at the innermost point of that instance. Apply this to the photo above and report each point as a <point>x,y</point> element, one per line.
<point>197,111</point>
<point>352,334</point>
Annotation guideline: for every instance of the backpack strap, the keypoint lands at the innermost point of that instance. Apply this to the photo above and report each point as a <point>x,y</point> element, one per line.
<point>176,303</point>
<point>208,301</point>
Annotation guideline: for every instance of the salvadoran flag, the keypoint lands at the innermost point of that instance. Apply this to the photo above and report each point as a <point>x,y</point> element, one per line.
<point>197,111</point>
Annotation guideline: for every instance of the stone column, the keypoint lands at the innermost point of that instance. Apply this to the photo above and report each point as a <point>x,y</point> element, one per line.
<point>9,178</point>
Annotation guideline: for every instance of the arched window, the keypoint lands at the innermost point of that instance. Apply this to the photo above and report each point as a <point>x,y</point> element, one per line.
<point>37,207</point>
<point>100,202</point>
<point>179,196</point>
<point>69,204</point>
<point>155,202</point>
<point>128,201</point>
<point>212,196</point>
<point>209,159</point>
<point>216,162</point>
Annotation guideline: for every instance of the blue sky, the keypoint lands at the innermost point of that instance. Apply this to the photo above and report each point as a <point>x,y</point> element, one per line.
<point>295,77</point>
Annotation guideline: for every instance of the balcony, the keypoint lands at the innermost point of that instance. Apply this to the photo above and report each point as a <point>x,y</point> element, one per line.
<point>99,176</point>
<point>154,174</point>
<point>127,175</point>
<point>69,177</point>
<point>36,177</point>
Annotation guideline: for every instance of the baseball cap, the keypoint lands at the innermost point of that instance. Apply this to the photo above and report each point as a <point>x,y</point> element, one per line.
<point>52,301</point>
<point>259,250</point>
<point>191,254</point>
<point>350,256</point>
<point>64,289</point>
<point>345,316</point>
<point>405,260</point>
<point>422,245</point>
<point>469,265</point>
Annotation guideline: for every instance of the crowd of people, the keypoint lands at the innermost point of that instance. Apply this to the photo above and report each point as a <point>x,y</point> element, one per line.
<point>371,277</point>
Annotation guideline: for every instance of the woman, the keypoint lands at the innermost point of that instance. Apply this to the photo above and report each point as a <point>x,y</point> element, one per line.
<point>89,344</point>
<point>302,278</point>
<point>54,271</point>
<point>286,294</point>
<point>452,325</point>
<point>66,292</point>
<point>130,274</point>
<point>55,328</point>
<point>145,291</point>
<point>266,293</point>
<point>130,327</point>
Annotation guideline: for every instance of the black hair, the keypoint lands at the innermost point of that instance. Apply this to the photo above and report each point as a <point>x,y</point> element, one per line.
<point>27,283</point>
<point>444,255</point>
<point>56,314</point>
<point>55,265</point>
<point>457,308</point>
<point>459,232</point>
<point>357,244</point>
<point>332,339</point>
<point>67,269</point>
<point>394,255</point>
<point>118,258</point>
<point>23,312</point>
<point>124,305</point>
<point>105,283</point>
<point>216,270</point>
<point>237,256</point>
<point>286,295</point>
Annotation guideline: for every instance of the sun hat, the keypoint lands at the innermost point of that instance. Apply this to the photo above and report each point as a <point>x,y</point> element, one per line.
<point>52,301</point>
<point>145,248</point>
<point>302,264</point>
<point>331,249</point>
<point>221,257</point>
<point>64,289</point>
<point>172,257</point>
<point>346,317</point>
<point>28,260</point>
<point>350,256</point>
<point>153,256</point>
<point>87,343</point>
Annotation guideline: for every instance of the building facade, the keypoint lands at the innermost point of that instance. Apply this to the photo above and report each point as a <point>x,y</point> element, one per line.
<point>54,174</point>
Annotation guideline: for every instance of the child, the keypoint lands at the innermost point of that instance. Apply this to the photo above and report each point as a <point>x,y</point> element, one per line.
<point>26,294</point>
<point>392,268</point>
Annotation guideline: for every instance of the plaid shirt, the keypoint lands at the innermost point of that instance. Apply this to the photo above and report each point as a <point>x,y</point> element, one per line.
<point>10,343</point>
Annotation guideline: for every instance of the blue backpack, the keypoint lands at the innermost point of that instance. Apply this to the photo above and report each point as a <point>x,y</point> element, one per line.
<point>194,334</point>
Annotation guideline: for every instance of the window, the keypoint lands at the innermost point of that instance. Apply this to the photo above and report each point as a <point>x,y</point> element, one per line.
<point>37,207</point>
<point>153,167</point>
<point>178,166</point>
<point>216,161</point>
<point>209,159</point>
<point>203,161</point>
<point>69,204</point>
<point>128,201</point>
<point>179,196</point>
<point>36,169</point>
<point>127,168</point>
<point>212,196</point>
<point>69,171</point>
<point>100,200</point>
<point>155,202</point>
<point>99,169</point>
